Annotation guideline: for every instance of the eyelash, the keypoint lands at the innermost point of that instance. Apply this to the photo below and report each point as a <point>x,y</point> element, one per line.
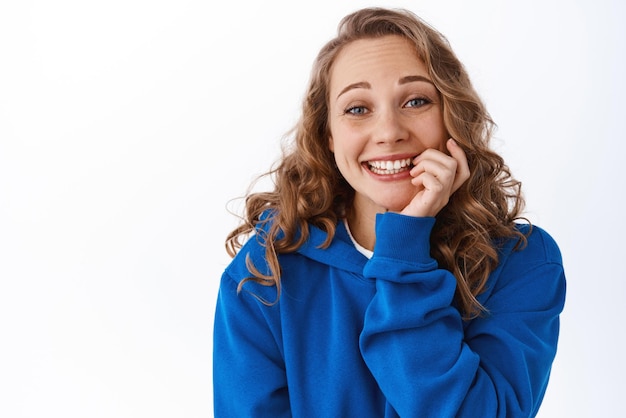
<point>424,101</point>
<point>352,110</point>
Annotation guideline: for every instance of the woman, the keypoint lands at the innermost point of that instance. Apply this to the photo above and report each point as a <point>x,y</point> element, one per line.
<point>387,273</point>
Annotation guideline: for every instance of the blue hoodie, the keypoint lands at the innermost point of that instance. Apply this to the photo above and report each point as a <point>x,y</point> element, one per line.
<point>381,337</point>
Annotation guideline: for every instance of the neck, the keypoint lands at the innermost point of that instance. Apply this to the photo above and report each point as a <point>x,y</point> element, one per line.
<point>362,227</point>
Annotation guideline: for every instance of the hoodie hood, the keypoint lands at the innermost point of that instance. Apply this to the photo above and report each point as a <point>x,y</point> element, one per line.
<point>341,253</point>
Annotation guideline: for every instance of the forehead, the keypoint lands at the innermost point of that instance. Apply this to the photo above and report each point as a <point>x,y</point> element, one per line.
<point>360,60</point>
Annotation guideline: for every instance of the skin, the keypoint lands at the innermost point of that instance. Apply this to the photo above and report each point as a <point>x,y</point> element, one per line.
<point>384,108</point>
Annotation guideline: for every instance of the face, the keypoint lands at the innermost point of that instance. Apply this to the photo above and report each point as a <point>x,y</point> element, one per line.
<point>383,112</point>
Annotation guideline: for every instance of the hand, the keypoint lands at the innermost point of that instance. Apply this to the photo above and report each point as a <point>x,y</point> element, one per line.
<point>436,176</point>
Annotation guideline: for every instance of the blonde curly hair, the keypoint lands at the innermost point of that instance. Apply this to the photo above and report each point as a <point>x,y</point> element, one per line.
<point>309,189</point>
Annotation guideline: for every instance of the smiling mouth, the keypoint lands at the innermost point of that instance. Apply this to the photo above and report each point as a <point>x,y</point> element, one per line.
<point>389,167</point>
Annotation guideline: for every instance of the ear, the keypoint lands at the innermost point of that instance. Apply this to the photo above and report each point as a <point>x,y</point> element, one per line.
<point>331,144</point>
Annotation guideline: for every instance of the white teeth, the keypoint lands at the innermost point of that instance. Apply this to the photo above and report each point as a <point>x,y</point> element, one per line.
<point>389,167</point>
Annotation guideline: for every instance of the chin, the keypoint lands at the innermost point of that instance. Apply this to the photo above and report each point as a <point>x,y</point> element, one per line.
<point>394,205</point>
<point>385,200</point>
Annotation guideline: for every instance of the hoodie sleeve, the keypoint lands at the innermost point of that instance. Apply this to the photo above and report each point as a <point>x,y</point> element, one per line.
<point>248,370</point>
<point>427,361</point>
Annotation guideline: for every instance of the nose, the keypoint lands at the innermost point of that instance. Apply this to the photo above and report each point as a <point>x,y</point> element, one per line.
<point>389,127</point>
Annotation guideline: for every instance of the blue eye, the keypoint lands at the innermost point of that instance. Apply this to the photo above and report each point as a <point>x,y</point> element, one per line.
<point>417,102</point>
<point>356,110</point>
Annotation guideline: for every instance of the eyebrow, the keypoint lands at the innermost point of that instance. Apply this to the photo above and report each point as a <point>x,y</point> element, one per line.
<point>413,78</point>
<point>403,80</point>
<point>359,85</point>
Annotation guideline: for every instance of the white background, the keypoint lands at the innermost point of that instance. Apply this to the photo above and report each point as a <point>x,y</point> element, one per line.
<point>127,125</point>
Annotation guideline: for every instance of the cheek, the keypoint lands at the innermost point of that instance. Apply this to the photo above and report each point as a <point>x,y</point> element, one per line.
<point>437,132</point>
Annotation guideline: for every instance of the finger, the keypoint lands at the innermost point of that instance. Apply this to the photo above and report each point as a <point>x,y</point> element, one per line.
<point>430,198</point>
<point>433,154</point>
<point>430,183</point>
<point>439,165</point>
<point>462,167</point>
